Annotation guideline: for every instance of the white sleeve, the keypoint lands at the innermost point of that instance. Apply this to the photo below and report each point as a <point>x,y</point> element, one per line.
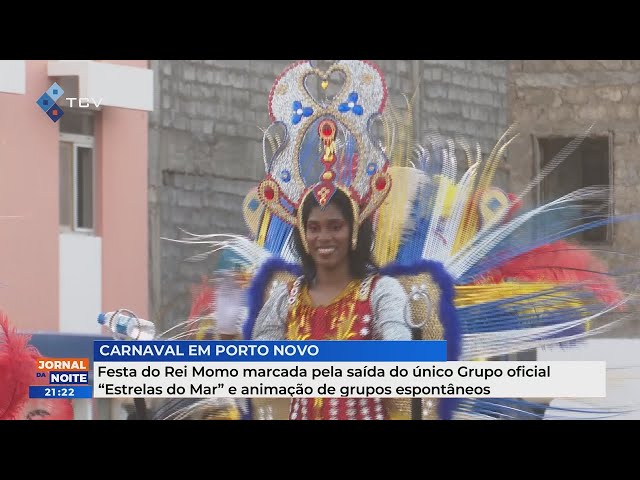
<point>271,321</point>
<point>391,310</point>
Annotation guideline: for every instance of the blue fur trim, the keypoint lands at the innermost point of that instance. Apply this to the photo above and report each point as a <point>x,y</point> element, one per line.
<point>248,415</point>
<point>255,292</point>
<point>448,315</point>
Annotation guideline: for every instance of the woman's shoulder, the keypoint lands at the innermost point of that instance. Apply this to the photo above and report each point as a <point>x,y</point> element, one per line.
<point>387,281</point>
<point>389,301</point>
<point>281,287</point>
<point>385,284</point>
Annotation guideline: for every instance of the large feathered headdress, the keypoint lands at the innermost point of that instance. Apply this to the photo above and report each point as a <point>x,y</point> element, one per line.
<point>326,143</point>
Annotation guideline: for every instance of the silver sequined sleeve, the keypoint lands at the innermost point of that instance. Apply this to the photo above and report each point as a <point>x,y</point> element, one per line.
<point>391,310</point>
<point>390,304</point>
<point>271,321</point>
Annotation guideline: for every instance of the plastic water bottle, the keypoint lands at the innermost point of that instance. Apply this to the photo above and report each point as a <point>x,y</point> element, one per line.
<point>126,326</point>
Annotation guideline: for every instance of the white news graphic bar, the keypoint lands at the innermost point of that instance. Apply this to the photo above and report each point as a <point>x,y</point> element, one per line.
<point>561,379</point>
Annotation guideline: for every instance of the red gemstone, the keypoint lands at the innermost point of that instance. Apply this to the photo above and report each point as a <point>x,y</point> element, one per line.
<point>269,193</point>
<point>326,130</point>
<point>381,183</point>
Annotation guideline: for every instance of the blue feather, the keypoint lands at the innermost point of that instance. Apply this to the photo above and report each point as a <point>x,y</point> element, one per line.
<point>415,235</point>
<point>256,290</point>
<point>545,308</point>
<point>530,236</point>
<point>277,235</point>
<point>505,408</point>
<point>519,409</point>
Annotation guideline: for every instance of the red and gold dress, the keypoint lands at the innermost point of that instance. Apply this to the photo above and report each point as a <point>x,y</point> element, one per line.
<point>369,309</point>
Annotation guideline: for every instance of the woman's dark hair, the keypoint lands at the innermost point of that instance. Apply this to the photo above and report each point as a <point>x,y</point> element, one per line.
<point>361,263</point>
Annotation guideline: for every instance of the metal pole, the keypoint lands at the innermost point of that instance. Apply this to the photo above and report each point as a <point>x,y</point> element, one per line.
<point>416,403</point>
<point>141,408</point>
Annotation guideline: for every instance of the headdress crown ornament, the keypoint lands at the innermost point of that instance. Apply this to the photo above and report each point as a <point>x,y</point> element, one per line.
<point>328,143</point>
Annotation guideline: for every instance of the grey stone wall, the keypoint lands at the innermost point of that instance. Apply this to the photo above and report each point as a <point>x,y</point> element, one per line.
<point>206,146</point>
<point>562,98</point>
<point>205,154</point>
<point>458,98</point>
<point>466,97</point>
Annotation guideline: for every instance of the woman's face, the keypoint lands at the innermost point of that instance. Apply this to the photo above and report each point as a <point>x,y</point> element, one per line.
<point>328,236</point>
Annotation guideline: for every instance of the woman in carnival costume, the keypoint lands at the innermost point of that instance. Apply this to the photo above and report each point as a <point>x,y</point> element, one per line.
<point>357,234</point>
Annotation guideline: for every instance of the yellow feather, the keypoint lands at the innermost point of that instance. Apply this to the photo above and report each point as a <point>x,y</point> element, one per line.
<point>264,226</point>
<point>392,215</point>
<point>467,295</point>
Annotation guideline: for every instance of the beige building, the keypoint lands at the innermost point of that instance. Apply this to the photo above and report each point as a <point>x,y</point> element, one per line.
<point>557,100</point>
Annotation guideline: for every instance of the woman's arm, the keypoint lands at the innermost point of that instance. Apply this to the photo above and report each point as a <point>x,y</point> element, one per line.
<point>391,310</point>
<point>271,321</point>
<point>270,325</point>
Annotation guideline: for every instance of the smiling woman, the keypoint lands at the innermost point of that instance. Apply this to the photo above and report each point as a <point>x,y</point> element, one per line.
<point>340,296</point>
<point>328,259</point>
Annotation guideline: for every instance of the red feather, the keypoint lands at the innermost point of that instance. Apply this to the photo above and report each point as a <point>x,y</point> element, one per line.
<point>202,297</point>
<point>559,262</point>
<point>17,369</point>
<point>18,366</point>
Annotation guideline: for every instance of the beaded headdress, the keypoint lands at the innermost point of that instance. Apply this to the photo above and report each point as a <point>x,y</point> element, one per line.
<point>327,140</point>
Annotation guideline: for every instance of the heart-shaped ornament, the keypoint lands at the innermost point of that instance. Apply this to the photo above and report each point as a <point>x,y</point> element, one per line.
<point>325,88</point>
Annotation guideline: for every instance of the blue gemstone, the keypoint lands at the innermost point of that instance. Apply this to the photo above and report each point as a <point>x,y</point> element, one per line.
<point>253,204</point>
<point>343,107</point>
<point>358,110</point>
<point>494,204</point>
